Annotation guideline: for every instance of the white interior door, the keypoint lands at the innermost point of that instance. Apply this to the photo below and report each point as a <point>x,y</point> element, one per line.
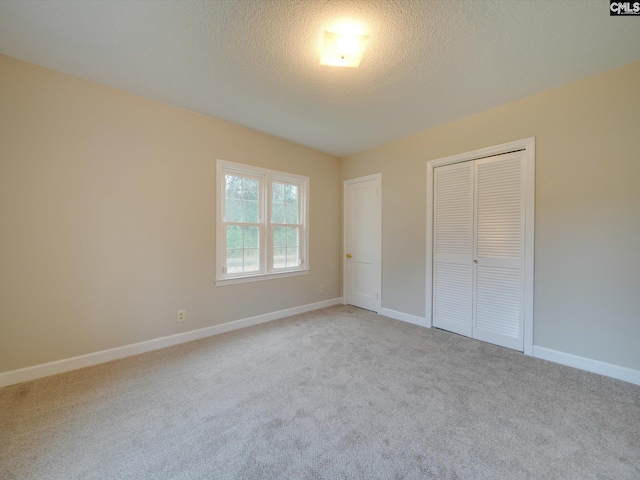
<point>362,242</point>
<point>479,248</point>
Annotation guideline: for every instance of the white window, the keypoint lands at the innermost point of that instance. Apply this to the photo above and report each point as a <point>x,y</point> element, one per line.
<point>262,223</point>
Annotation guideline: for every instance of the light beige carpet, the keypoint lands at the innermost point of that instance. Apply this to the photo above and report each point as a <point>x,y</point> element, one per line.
<point>336,393</point>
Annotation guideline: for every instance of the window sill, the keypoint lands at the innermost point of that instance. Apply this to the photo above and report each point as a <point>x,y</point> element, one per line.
<point>258,278</point>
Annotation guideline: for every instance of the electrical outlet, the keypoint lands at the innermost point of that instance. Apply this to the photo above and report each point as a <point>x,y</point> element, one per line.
<point>182,315</point>
<point>321,288</point>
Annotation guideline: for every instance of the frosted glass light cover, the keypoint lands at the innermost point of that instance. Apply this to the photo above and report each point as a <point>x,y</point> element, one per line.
<point>343,49</point>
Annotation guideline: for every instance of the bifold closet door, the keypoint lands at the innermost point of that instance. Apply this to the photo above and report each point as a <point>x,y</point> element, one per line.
<point>499,250</point>
<point>478,249</point>
<point>453,248</point>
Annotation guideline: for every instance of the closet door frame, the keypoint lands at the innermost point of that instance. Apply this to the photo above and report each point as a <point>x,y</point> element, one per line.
<point>527,145</point>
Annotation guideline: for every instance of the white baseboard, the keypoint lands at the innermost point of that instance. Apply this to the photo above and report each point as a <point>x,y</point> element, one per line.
<point>405,317</point>
<point>615,371</point>
<point>60,366</point>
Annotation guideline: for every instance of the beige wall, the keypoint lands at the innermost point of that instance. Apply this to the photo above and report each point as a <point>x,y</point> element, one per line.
<point>587,251</point>
<point>107,218</point>
<point>107,215</point>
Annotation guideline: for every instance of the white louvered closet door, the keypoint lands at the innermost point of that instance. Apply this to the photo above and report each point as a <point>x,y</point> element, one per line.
<point>453,248</point>
<point>499,250</point>
<point>478,249</point>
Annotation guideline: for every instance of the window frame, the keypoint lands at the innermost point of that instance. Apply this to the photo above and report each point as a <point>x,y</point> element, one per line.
<point>266,178</point>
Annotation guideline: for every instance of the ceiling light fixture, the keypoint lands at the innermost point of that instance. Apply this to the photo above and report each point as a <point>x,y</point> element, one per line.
<point>343,49</point>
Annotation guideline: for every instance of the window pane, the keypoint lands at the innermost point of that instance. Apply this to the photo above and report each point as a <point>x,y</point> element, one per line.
<point>279,257</point>
<point>250,189</point>
<point>242,199</point>
<point>234,236</point>
<point>292,236</point>
<point>292,257</point>
<point>233,210</point>
<point>251,237</point>
<point>291,194</point>
<point>291,214</point>
<point>277,195</point>
<point>234,260</point>
<point>250,211</point>
<point>277,213</point>
<point>233,186</point>
<point>251,260</point>
<point>279,237</point>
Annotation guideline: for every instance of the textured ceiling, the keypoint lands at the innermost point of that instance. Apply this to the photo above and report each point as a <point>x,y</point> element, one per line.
<point>255,62</point>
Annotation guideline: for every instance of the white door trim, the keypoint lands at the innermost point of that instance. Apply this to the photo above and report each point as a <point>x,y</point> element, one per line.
<point>378,177</point>
<point>528,145</point>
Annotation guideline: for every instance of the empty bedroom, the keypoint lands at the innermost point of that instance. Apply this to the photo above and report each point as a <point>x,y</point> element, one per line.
<point>319,239</point>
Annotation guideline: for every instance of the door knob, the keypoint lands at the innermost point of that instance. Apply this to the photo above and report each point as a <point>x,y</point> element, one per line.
<point>349,255</point>
<point>475,261</point>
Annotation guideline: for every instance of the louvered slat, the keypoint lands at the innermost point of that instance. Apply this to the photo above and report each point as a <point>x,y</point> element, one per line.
<point>499,209</point>
<point>498,300</point>
<point>454,210</point>
<point>453,296</point>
